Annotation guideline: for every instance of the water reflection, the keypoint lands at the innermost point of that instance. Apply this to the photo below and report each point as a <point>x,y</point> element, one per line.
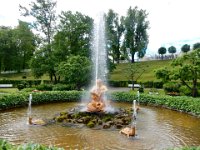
<point>156,129</point>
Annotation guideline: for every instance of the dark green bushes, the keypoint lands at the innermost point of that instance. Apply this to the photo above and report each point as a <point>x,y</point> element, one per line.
<point>181,103</point>
<point>13,100</point>
<point>29,83</point>
<point>171,87</point>
<point>21,99</point>
<point>4,145</point>
<point>147,84</point>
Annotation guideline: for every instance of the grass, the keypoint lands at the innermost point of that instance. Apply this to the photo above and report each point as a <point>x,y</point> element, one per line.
<point>119,74</point>
<point>122,70</point>
<point>19,76</point>
<point>8,90</point>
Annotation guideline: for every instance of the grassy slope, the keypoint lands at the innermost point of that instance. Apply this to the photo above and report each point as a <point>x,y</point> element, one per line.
<point>120,73</point>
<point>18,76</point>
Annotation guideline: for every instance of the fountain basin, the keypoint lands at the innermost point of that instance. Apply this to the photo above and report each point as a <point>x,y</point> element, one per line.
<point>157,128</point>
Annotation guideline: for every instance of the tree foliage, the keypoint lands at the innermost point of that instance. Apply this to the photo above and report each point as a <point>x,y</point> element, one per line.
<point>26,43</point>
<point>114,32</point>
<point>196,46</point>
<point>74,34</point>
<point>185,48</point>
<point>136,26</point>
<point>76,70</point>
<point>7,49</point>
<point>44,13</point>
<point>162,51</point>
<point>16,47</point>
<point>185,69</point>
<point>172,49</point>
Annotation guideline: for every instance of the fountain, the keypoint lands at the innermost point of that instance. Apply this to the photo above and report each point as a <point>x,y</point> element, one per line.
<point>30,119</point>
<point>131,131</point>
<point>99,102</point>
<point>29,108</point>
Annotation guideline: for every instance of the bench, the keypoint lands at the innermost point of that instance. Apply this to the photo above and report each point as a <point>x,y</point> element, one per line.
<point>6,85</point>
<point>135,85</point>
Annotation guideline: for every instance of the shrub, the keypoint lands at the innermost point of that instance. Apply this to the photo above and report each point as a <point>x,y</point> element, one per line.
<point>171,87</point>
<point>141,90</point>
<point>44,87</point>
<point>18,100</point>
<point>63,87</point>
<point>4,145</point>
<point>183,103</point>
<point>118,83</point>
<point>184,90</point>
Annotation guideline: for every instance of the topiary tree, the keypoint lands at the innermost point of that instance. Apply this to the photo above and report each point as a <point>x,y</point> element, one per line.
<point>162,51</point>
<point>185,48</point>
<point>172,50</point>
<point>196,46</point>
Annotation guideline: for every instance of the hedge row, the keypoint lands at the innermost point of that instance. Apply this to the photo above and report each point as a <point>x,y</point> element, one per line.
<point>146,84</point>
<point>22,98</point>
<point>30,83</point>
<point>16,82</point>
<point>182,103</point>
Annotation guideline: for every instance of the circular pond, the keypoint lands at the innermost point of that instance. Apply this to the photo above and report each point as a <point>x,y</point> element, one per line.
<point>157,128</point>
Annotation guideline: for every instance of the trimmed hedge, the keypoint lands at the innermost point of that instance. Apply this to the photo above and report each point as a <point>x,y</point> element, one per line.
<point>16,82</point>
<point>182,103</point>
<point>147,84</point>
<point>21,99</point>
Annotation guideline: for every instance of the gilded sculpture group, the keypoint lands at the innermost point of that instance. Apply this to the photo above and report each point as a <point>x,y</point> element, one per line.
<point>97,103</point>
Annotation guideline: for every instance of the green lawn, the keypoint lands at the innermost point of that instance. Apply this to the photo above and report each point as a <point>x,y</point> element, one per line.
<point>19,76</point>
<point>121,71</point>
<point>8,90</point>
<point>119,74</point>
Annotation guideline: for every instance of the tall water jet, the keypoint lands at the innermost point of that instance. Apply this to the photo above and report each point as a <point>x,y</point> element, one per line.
<point>99,52</point>
<point>100,70</point>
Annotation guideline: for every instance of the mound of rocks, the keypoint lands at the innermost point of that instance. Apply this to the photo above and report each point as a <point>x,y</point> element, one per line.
<point>101,120</point>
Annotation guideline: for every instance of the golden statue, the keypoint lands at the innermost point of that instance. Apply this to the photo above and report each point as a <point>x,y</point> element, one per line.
<point>97,103</point>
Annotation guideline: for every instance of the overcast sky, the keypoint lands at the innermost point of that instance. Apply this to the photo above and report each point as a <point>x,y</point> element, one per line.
<point>172,22</point>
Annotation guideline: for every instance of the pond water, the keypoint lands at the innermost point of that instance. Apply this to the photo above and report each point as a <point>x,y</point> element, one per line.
<point>157,128</point>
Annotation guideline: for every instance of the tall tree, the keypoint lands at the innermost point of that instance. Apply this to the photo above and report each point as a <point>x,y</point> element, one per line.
<point>74,35</point>
<point>25,44</point>
<point>136,36</point>
<point>44,13</point>
<point>185,48</point>
<point>8,53</point>
<point>162,51</point>
<point>114,30</point>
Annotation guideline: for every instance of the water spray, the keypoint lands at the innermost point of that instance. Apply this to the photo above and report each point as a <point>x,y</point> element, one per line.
<point>29,109</point>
